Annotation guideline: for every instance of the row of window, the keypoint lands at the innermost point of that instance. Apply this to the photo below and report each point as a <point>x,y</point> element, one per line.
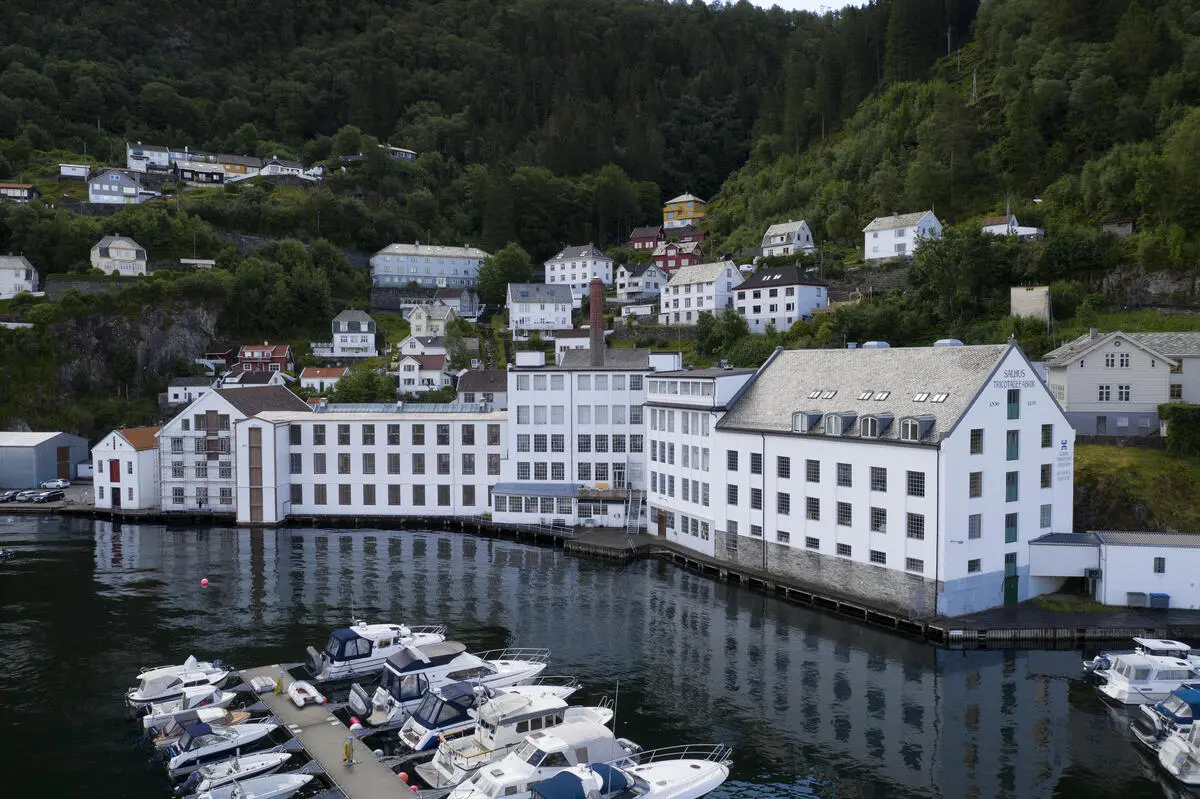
<point>519,504</point>
<point>200,470</point>
<point>692,457</point>
<point>584,472</point>
<point>915,565</point>
<point>1012,441</point>
<point>367,494</point>
<point>1012,483</point>
<point>203,446</point>
<point>345,463</point>
<point>115,493</point>
<point>584,414</point>
<point>914,481</point>
<point>598,443</point>
<point>179,496</point>
<point>417,438</point>
<point>789,291</point>
<point>687,388</point>
<point>690,490</point>
<point>556,382</point>
<point>1104,393</point>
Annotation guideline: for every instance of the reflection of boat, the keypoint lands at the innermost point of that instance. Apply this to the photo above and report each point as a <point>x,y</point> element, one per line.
<point>362,648</point>
<point>410,673</point>
<point>1152,723</point>
<point>1162,647</point>
<point>239,768</point>
<point>161,683</point>
<point>202,743</point>
<point>1136,678</point>
<point>676,772</point>
<point>160,713</point>
<point>272,786</point>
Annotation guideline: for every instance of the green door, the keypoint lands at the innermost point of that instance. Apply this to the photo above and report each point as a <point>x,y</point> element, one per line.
<point>1010,590</point>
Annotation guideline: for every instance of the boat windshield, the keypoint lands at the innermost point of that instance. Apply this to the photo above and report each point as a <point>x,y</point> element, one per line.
<point>530,753</point>
<point>403,688</point>
<point>346,645</point>
<point>1175,706</point>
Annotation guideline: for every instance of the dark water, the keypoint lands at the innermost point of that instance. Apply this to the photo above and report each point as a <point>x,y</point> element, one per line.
<point>813,705</point>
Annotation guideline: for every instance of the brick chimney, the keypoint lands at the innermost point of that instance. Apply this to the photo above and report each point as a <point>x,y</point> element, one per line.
<point>596,324</point>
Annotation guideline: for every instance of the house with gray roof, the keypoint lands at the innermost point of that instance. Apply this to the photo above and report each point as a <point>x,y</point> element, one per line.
<point>1112,383</point>
<point>576,267</point>
<point>898,236</point>
<point>119,255</point>
<point>779,296</point>
<point>639,281</point>
<point>427,265</point>
<point>16,275</point>
<point>484,386</point>
<point>538,307</point>
<point>1123,568</point>
<point>697,289</point>
<point>787,238</point>
<point>430,320</point>
<point>909,479</point>
<point>118,187</point>
<point>353,336</point>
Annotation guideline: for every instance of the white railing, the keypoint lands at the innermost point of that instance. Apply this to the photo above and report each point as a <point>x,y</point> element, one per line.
<point>533,655</point>
<point>714,753</point>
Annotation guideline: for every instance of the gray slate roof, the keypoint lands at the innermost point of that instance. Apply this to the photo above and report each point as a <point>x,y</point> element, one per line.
<point>190,381</point>
<point>1121,538</point>
<point>647,232</point>
<point>582,251</point>
<point>778,276</point>
<point>787,380</point>
<point>781,228</point>
<point>581,360</point>
<point>703,273</point>
<point>18,262</point>
<point>891,222</point>
<point>539,292</point>
<point>483,380</point>
<point>1170,345</point>
<point>353,316</point>
<point>120,241</point>
<point>256,399</point>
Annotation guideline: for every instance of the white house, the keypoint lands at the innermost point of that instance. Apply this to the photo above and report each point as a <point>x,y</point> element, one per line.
<point>16,275</point>
<point>1008,225</point>
<point>639,310</point>
<point>787,238</point>
<point>430,320</point>
<point>281,166</point>
<point>236,379</point>
<point>78,171</point>
<point>117,187</point>
<point>147,157</point>
<point>1112,383</point>
<point>909,478</point>
<point>353,336</point>
<point>422,345</point>
<point>421,373</point>
<point>426,265</point>
<point>196,448</point>
<point>119,255</point>
<point>1133,569</point>
<point>696,289</point>
<point>319,378</point>
<point>576,266</point>
<point>126,474</point>
<point>638,281</point>
<point>484,387</point>
<point>464,301</point>
<point>380,460</point>
<point>897,236</point>
<point>182,390</point>
<point>780,296</point>
<point>681,412</point>
<point>538,307</point>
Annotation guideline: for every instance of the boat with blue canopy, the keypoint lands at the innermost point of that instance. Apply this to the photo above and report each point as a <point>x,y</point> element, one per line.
<point>1177,713</point>
<point>678,772</point>
<point>362,649</point>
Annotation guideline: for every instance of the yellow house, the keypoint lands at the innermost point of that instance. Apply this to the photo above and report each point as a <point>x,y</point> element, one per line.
<point>684,210</point>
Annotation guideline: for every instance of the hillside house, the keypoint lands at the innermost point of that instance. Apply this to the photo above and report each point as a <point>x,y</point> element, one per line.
<point>430,320</point>
<point>119,255</point>
<point>646,238</point>
<point>671,255</point>
<point>684,210</point>
<point>16,275</point>
<point>694,290</point>
<point>897,236</point>
<point>20,193</point>
<point>781,297</point>
<point>538,307</point>
<point>787,238</point>
<point>421,373</point>
<point>323,379</point>
<point>265,358</point>
<point>637,281</point>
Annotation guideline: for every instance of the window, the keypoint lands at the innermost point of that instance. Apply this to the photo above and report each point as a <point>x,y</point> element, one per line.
<point>1103,393</point>
<point>468,463</point>
<point>344,494</point>
<point>177,495</point>
<point>493,435</point>
<point>812,471</point>
<point>915,526</point>
<point>1046,471</point>
<point>844,475</point>
<point>843,550</point>
<point>974,525</point>
<point>1176,391</point>
<point>916,484</point>
<point>393,435</point>
<point>914,565</point>
<point>297,463</point>
<point>1045,513</point>
<point>783,537</point>
<point>878,478</point>
<point>783,504</point>
<point>319,434</point>
<point>973,566</point>
<point>177,470</point>
<point>731,494</point>
<point>225,470</point>
<point>812,543</point>
<point>1047,436</point>
<point>540,442</point>
<point>1124,360</point>
<point>201,471</point>
<point>910,430</point>
<point>812,508</point>
<point>318,463</point>
<point>783,467</point>
<point>584,382</point>
<point>443,495</point>
<point>731,460</point>
<point>756,498</point>
<point>1014,403</point>
<point>319,496</point>
<point>493,463</point>
<point>878,557</point>
<point>176,445</point>
<point>443,463</point>
<point>344,462</point>
<point>756,531</point>
<point>756,463</point>
<point>870,425</point>
<point>1122,393</point>
<point>845,514</point>
<point>1012,484</point>
<point>294,435</point>
<point>1010,528</point>
<point>1110,360</point>
<point>1012,441</point>
<point>584,472</point>
<point>418,463</point>
<point>879,520</point>
<point>468,435</point>
<point>975,485</point>
<point>977,441</point>
<point>297,494</point>
<point>418,495</point>
<point>343,434</point>
<point>1160,565</point>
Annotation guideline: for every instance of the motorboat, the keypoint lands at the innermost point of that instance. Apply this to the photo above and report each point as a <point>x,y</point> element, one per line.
<point>1177,713</point>
<point>162,737</point>
<point>162,683</point>
<point>408,674</point>
<point>159,713</point>
<point>544,754</point>
<point>236,769</point>
<point>272,786</point>
<point>1163,647</point>
<point>1137,679</point>
<point>203,743</point>
<point>502,724</point>
<point>450,712</point>
<point>301,693</point>
<point>361,649</point>
<point>676,772</point>
<point>1179,755</point>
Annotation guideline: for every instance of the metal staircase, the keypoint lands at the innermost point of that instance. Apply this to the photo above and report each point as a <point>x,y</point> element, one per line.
<point>633,513</point>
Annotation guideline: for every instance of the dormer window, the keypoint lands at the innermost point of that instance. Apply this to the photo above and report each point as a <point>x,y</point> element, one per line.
<point>833,425</point>
<point>910,430</point>
<point>869,427</point>
<point>804,421</point>
<point>924,395</point>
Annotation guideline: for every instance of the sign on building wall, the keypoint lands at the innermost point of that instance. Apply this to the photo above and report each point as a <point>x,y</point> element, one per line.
<point>1064,462</point>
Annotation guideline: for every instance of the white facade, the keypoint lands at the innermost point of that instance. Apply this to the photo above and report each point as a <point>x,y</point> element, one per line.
<point>787,238</point>
<point>119,255</point>
<point>1124,568</point>
<point>576,266</point>
<point>898,236</point>
<point>126,470</point>
<point>353,335</point>
<point>1008,225</point>
<point>422,345</point>
<point>694,290</point>
<point>16,275</point>
<point>80,171</point>
<point>779,297</point>
<point>426,265</point>
<point>187,390</point>
<point>421,373</point>
<point>430,320</point>
<point>394,461</point>
<point>570,340</point>
<point>538,307</point>
<point>637,281</point>
<point>143,157</point>
<point>316,378</point>
<point>952,459</point>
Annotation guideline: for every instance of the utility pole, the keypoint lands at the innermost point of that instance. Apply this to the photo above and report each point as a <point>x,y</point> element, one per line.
<point>974,74</point>
<point>947,40</point>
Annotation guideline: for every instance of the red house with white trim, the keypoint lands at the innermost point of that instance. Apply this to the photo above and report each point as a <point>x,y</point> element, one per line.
<point>265,358</point>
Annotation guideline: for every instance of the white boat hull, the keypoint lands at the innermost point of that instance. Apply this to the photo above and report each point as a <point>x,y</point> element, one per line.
<point>244,735</point>
<point>1123,693</point>
<point>162,713</point>
<point>1179,759</point>
<point>238,768</point>
<point>272,786</point>
<point>385,709</point>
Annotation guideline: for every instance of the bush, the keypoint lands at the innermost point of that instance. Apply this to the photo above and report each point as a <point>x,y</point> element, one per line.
<point>1183,428</point>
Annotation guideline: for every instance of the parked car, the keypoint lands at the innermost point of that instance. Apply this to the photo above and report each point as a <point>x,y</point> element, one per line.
<point>27,496</point>
<point>50,496</point>
<point>57,482</point>
<point>8,496</point>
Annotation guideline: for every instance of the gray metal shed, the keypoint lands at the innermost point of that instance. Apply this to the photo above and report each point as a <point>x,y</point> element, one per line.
<point>27,459</point>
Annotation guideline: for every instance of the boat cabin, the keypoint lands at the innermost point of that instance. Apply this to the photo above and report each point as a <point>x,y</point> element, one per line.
<point>361,640</point>
<point>1138,668</point>
<point>404,673</point>
<point>1163,647</point>
<point>443,709</point>
<point>200,735</point>
<point>1183,705</point>
<point>544,753</point>
<point>508,718</point>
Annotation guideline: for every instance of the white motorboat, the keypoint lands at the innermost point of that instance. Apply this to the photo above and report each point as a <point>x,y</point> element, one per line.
<point>235,769</point>
<point>1163,647</point>
<point>1179,754</point>
<point>1136,678</point>
<point>301,693</point>
<point>545,754</point>
<point>176,728</point>
<point>203,743</point>
<point>502,725</point>
<point>272,786</point>
<point>408,674</point>
<point>676,772</point>
<point>1177,713</point>
<point>159,713</point>
<point>450,712</point>
<point>163,683</point>
<point>362,648</point>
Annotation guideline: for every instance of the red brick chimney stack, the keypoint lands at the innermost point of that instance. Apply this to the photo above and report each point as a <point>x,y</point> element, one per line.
<point>596,325</point>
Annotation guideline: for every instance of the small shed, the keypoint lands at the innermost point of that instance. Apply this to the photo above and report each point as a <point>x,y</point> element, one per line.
<point>77,171</point>
<point>26,459</point>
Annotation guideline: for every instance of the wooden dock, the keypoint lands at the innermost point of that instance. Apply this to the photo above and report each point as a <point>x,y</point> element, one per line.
<point>323,737</point>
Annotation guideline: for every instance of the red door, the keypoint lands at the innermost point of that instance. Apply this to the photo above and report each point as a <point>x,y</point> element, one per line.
<point>114,471</point>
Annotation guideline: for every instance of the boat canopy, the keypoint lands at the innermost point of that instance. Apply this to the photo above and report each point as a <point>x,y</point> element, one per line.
<point>347,645</point>
<point>448,705</point>
<point>434,655</point>
<point>568,785</point>
<point>1182,705</point>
